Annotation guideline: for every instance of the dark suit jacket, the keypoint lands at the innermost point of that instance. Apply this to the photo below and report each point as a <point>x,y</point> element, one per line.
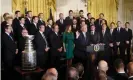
<point>15,24</point>
<point>98,24</point>
<point>48,30</point>
<point>55,43</point>
<point>68,21</point>
<point>128,35</point>
<point>121,76</point>
<point>27,23</point>
<point>21,44</point>
<point>94,39</point>
<point>75,29</point>
<point>80,45</point>
<point>3,24</point>
<point>41,22</point>
<point>40,43</point>
<point>119,36</point>
<point>33,29</point>
<point>9,47</point>
<point>106,38</point>
<point>62,27</point>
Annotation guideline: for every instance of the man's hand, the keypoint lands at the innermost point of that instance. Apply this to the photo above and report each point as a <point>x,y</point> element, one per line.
<point>111,45</point>
<point>16,51</point>
<point>77,34</point>
<point>60,49</point>
<point>46,49</point>
<point>117,43</point>
<point>127,42</point>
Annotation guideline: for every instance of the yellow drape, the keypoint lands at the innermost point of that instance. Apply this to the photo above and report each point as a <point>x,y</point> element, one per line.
<point>108,7</point>
<point>36,6</point>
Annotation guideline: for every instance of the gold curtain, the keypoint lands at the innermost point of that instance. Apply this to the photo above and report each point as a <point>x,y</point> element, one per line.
<point>108,7</point>
<point>36,6</point>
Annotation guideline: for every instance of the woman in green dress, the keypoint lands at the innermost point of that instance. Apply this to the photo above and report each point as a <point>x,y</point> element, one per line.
<point>68,43</point>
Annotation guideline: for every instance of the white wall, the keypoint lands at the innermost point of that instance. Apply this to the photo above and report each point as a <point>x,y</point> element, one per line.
<point>63,6</point>
<point>6,6</point>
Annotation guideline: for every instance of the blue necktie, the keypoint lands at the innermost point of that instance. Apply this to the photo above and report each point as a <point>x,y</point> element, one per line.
<point>11,37</point>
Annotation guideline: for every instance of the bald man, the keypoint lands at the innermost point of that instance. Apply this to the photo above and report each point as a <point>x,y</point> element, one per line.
<point>103,65</point>
<point>53,71</point>
<point>130,70</point>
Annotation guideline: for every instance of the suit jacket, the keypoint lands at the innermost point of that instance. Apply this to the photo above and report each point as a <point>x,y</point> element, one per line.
<point>41,22</point>
<point>3,24</point>
<point>75,29</point>
<point>79,19</point>
<point>94,39</point>
<point>128,35</point>
<point>21,44</point>
<point>9,46</point>
<point>55,42</point>
<point>27,23</point>
<point>105,38</point>
<point>48,30</point>
<point>111,36</point>
<point>80,45</point>
<point>68,21</point>
<point>33,29</point>
<point>121,76</point>
<point>62,27</point>
<point>40,43</point>
<point>119,36</point>
<point>98,24</point>
<point>19,30</point>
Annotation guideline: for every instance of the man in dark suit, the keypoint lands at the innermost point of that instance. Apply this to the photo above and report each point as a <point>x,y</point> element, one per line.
<point>20,27</point>
<point>104,40</point>
<point>55,47</point>
<point>128,35</point>
<point>69,19</point>
<point>21,45</point>
<point>10,48</point>
<point>48,28</point>
<point>111,42</point>
<point>88,20</point>
<point>119,66</point>
<point>80,55</point>
<point>130,70</point>
<point>61,23</point>
<point>81,15</point>
<point>119,40</point>
<point>94,36</point>
<point>16,23</point>
<point>41,21</point>
<point>28,19</point>
<point>99,21</point>
<point>42,48</point>
<point>75,27</point>
<point>34,26</point>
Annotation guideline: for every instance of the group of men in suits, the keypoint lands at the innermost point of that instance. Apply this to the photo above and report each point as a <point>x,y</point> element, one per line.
<point>48,38</point>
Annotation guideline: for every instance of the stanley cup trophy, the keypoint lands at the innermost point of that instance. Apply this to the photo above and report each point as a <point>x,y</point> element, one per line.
<point>29,55</point>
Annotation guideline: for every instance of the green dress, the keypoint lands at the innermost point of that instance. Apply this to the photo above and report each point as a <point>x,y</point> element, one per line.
<point>68,39</point>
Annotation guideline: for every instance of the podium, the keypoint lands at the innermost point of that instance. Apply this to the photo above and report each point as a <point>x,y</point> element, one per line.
<point>95,48</point>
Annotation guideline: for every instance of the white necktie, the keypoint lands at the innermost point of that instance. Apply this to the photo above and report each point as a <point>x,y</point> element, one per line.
<point>45,39</point>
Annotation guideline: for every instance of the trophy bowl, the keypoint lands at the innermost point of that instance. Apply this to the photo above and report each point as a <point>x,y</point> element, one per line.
<point>29,54</point>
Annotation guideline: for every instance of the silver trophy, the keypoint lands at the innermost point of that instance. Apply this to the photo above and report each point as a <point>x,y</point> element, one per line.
<point>29,54</point>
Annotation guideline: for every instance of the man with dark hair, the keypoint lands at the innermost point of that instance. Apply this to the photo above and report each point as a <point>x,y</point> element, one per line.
<point>69,19</point>
<point>119,40</point>
<point>119,66</point>
<point>42,48</point>
<point>56,46</point>
<point>99,21</point>
<point>128,36</point>
<point>34,26</point>
<point>41,21</point>
<point>10,48</point>
<point>73,74</point>
<point>48,28</point>
<point>75,27</point>
<point>28,19</point>
<point>88,20</point>
<point>3,23</point>
<point>81,17</point>
<point>130,70</point>
<point>15,23</point>
<point>61,23</point>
